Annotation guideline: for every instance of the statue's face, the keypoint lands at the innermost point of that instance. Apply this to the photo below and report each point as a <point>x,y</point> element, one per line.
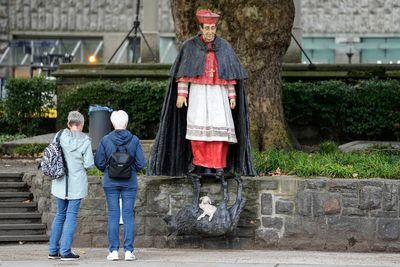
<point>208,31</point>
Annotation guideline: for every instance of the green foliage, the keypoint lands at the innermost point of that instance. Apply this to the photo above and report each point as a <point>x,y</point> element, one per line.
<point>328,147</point>
<point>29,149</point>
<point>27,101</point>
<point>142,100</point>
<point>9,137</point>
<point>94,172</point>
<point>366,164</point>
<point>368,109</point>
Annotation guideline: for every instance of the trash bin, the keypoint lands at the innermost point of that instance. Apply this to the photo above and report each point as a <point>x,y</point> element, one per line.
<point>99,123</point>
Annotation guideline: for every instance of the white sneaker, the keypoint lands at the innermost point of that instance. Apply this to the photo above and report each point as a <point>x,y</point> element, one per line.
<point>129,256</point>
<point>113,256</point>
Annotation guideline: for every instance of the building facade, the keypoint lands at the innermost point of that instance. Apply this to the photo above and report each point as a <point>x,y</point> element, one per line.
<point>344,31</point>
<point>35,34</point>
<point>74,30</point>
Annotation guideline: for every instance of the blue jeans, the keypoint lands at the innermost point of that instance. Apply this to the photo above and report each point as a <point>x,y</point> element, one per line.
<point>64,226</point>
<point>128,196</point>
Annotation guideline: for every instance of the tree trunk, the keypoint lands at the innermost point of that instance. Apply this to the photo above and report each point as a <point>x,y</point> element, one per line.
<point>259,31</point>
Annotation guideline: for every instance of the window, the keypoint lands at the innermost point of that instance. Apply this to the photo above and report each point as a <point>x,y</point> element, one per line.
<point>23,53</point>
<point>380,50</point>
<point>319,49</point>
<point>168,51</point>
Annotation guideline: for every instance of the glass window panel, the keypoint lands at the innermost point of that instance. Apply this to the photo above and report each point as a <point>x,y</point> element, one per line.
<point>168,50</point>
<point>380,50</point>
<point>35,48</point>
<point>319,49</point>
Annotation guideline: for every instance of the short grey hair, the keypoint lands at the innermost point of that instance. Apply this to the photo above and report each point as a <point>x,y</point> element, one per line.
<point>119,119</point>
<point>75,118</point>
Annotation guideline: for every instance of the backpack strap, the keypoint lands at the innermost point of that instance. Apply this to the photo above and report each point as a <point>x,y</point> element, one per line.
<point>59,135</point>
<point>64,161</point>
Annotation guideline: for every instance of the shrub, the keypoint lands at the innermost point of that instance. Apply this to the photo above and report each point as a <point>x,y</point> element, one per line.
<point>81,97</point>
<point>29,149</point>
<point>364,110</point>
<point>26,103</point>
<point>142,100</point>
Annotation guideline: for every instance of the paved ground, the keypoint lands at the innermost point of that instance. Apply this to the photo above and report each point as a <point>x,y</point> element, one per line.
<point>36,255</point>
<point>18,165</point>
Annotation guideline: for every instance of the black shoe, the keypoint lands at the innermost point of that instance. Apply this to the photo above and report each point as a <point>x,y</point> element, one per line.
<point>55,256</point>
<point>70,257</point>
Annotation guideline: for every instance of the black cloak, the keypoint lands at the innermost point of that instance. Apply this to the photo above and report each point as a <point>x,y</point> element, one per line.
<point>171,152</point>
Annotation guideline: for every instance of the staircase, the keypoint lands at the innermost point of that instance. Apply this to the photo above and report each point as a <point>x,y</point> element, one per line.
<point>19,218</point>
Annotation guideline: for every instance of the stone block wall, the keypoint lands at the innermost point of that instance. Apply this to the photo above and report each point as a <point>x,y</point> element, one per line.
<point>79,15</point>
<point>344,16</point>
<point>281,212</point>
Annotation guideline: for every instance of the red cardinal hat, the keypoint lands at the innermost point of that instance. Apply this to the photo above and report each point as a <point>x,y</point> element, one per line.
<point>207,16</point>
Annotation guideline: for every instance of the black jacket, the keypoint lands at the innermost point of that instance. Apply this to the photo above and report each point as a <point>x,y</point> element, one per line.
<point>171,152</point>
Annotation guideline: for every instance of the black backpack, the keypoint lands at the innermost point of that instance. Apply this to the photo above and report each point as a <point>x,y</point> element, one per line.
<point>120,162</point>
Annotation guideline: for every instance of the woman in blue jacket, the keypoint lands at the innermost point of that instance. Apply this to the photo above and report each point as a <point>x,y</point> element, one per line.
<point>115,188</point>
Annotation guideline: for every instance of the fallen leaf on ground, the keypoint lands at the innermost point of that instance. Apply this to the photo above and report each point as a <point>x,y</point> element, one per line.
<point>277,172</point>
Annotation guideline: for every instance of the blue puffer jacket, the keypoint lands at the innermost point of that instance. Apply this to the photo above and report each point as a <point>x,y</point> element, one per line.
<point>107,146</point>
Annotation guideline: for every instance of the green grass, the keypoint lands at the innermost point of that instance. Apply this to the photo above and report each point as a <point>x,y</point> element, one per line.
<point>366,164</point>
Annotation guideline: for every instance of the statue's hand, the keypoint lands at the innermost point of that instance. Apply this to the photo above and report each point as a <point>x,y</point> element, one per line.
<point>232,103</point>
<point>181,101</point>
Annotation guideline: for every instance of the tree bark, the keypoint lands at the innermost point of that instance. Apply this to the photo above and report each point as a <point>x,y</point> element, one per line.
<point>259,31</point>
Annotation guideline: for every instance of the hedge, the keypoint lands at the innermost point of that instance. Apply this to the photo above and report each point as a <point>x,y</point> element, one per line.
<point>26,106</point>
<point>365,110</point>
<point>339,110</point>
<point>142,100</point>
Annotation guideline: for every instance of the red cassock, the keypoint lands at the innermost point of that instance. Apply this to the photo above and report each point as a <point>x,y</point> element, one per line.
<point>210,154</point>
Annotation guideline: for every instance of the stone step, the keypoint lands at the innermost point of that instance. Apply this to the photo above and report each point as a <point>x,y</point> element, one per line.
<point>20,218</point>
<point>30,238</point>
<point>11,177</point>
<point>17,207</point>
<point>13,186</point>
<point>22,229</point>
<point>15,196</point>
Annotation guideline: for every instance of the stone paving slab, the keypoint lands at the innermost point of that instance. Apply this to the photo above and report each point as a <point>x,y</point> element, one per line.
<point>36,255</point>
